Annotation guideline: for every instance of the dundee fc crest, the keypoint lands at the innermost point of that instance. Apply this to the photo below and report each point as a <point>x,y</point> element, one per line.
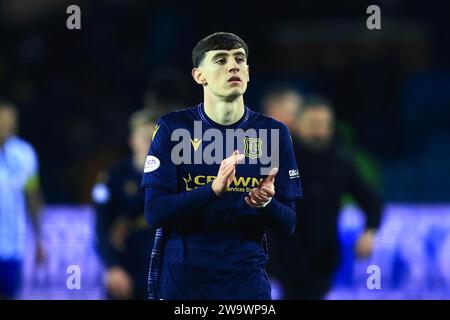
<point>252,147</point>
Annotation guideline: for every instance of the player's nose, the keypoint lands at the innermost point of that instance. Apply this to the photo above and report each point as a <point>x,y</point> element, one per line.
<point>234,66</point>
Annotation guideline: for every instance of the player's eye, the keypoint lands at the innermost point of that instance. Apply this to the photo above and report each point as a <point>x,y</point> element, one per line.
<point>220,61</point>
<point>240,60</point>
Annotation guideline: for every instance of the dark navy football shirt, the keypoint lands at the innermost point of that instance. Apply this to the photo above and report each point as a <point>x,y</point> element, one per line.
<point>216,251</point>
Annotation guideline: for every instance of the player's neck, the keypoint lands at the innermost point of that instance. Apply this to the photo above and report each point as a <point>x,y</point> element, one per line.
<point>138,161</point>
<point>224,112</point>
<point>3,142</point>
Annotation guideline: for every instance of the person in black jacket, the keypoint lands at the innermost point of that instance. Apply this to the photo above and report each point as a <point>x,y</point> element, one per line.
<point>124,240</point>
<point>306,263</point>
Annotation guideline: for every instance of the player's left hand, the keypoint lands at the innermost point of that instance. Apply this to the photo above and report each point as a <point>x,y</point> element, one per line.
<point>263,193</point>
<point>364,245</point>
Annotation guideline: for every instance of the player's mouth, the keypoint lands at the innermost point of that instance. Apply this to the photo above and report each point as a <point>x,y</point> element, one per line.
<point>235,80</point>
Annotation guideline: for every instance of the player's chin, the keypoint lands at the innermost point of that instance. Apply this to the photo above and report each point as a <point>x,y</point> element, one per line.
<point>239,85</point>
<point>234,93</point>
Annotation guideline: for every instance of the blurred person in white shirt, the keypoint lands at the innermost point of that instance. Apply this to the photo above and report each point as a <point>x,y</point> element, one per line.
<point>20,193</point>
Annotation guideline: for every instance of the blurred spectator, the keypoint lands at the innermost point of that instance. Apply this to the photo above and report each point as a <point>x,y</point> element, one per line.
<point>20,192</point>
<point>124,240</point>
<point>283,103</point>
<point>305,264</point>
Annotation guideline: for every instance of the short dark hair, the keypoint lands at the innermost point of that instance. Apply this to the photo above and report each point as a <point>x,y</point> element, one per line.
<point>7,104</point>
<point>279,89</point>
<point>217,41</point>
<point>142,117</point>
<point>315,101</point>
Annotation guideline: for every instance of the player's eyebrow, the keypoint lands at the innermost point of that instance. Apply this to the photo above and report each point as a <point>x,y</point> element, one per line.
<point>219,55</point>
<point>224,54</point>
<point>240,54</point>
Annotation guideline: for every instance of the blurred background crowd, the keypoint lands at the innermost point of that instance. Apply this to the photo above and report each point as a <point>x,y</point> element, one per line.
<point>388,90</point>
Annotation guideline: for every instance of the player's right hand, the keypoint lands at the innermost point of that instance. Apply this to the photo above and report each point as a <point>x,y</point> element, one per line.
<point>261,195</point>
<point>364,244</point>
<point>119,283</point>
<point>227,172</point>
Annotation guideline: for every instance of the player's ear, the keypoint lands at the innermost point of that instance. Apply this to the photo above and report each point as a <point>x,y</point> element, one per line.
<point>198,76</point>
<point>248,73</point>
<point>130,142</point>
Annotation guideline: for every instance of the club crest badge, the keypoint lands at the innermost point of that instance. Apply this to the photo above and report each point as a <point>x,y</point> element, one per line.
<point>252,147</point>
